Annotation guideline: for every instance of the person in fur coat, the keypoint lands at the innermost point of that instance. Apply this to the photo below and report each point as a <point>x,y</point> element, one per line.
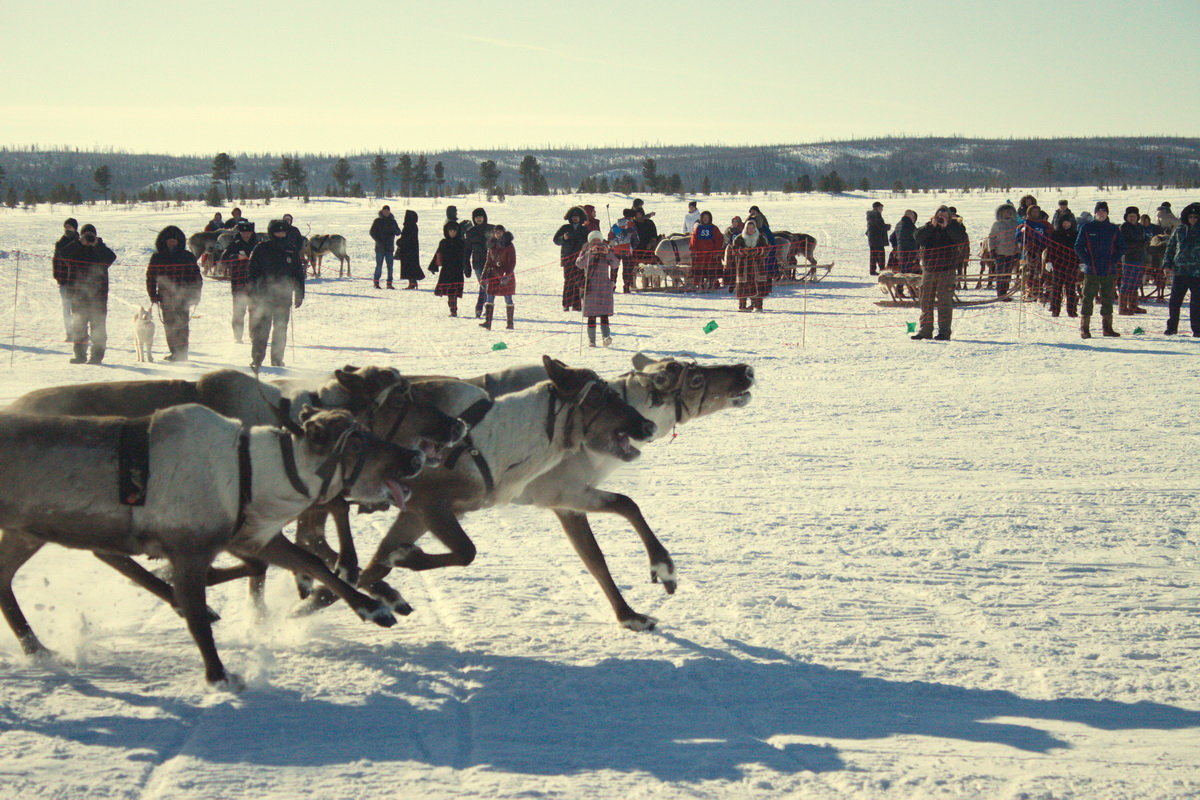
<point>596,260</point>
<point>450,265</point>
<point>748,256</point>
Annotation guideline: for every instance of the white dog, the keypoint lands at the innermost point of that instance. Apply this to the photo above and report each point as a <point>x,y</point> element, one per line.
<point>143,334</point>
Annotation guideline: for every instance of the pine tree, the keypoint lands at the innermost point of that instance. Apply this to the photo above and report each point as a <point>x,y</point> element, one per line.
<point>804,184</point>
<point>489,176</point>
<point>864,185</point>
<point>223,167</point>
<point>439,176</point>
<point>706,186</point>
<point>404,172</point>
<point>103,179</point>
<point>342,175</point>
<point>531,178</point>
<point>421,177</point>
<point>379,171</point>
<point>10,199</point>
<point>650,175</point>
<point>213,197</point>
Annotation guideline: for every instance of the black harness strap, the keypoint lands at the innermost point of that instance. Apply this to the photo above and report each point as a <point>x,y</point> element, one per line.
<point>289,463</point>
<point>244,479</point>
<point>473,416</point>
<point>477,411</point>
<point>133,461</point>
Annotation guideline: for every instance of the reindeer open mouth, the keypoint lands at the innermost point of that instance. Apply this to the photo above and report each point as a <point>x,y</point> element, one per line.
<point>433,452</point>
<point>396,493</point>
<point>622,446</point>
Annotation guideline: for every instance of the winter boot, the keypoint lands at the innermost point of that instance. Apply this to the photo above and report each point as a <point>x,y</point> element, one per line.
<point>508,326</point>
<point>377,286</point>
<point>605,332</point>
<point>488,308</point>
<point>1123,304</point>
<point>943,336</point>
<point>756,304</point>
<point>1085,326</point>
<point>924,333</point>
<point>97,356</point>
<point>453,303</point>
<point>591,335</point>
<point>391,285</point>
<point>478,309</point>
<point>743,304</point>
<point>1106,324</point>
<point>1133,306</point>
<point>80,353</point>
<point>411,285</point>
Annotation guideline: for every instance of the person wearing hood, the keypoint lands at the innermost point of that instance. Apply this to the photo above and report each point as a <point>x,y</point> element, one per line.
<point>88,259</point>
<point>1035,233</point>
<point>1166,218</point>
<point>1132,263</point>
<point>384,231</point>
<point>61,270</point>
<point>236,259</point>
<point>706,244</point>
<point>590,221</point>
<point>1002,241</point>
<point>732,231</point>
<point>463,225</point>
<point>235,216</point>
<point>1063,210</point>
<point>1099,246</point>
<point>174,284</point>
<point>877,237</point>
<point>499,275</point>
<point>476,240</point>
<point>1060,252</point>
<point>691,217</point>
<point>276,284</point>
<point>1182,258</point>
<point>408,251</point>
<point>904,246</point>
<point>215,224</point>
<point>570,239</point>
<point>940,240</point>
<point>450,265</point>
<point>748,257</point>
<point>595,262</point>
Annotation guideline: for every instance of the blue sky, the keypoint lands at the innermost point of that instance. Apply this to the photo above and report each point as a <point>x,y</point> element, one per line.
<point>361,76</point>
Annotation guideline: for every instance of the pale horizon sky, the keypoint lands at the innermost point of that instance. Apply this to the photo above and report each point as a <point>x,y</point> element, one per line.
<point>365,76</point>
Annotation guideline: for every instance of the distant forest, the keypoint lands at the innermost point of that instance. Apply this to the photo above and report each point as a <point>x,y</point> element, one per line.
<point>33,175</point>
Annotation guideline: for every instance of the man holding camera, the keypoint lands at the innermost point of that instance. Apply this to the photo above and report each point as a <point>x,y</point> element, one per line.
<point>940,241</point>
<point>87,260</point>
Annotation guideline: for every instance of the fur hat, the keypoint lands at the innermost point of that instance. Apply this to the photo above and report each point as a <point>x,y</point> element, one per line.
<point>1101,206</point>
<point>244,225</point>
<point>1132,210</point>
<point>595,236</point>
<point>276,226</point>
<point>74,223</point>
<point>88,228</point>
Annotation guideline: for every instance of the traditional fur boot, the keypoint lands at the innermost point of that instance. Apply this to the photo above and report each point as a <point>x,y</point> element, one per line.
<point>508,326</point>
<point>756,304</point>
<point>605,333</point>
<point>453,303</point>
<point>488,308</point>
<point>80,353</point>
<point>97,356</point>
<point>591,335</point>
<point>1085,326</point>
<point>1106,324</point>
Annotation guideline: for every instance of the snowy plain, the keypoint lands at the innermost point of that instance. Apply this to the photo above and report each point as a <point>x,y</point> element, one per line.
<point>907,569</point>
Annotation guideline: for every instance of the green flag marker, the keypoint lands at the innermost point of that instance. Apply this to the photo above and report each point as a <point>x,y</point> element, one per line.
<point>711,326</point>
<point>1138,332</point>
<point>911,326</point>
<point>499,346</point>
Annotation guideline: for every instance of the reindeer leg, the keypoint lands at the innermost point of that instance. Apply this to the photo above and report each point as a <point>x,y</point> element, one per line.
<point>310,534</point>
<point>149,581</point>
<point>443,524</point>
<point>662,568</point>
<point>346,565</point>
<point>15,549</point>
<point>584,541</point>
<point>282,553</point>
<point>190,572</point>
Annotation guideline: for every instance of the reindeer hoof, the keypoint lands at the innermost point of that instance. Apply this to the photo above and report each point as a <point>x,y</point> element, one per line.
<point>321,598</point>
<point>390,598</point>
<point>639,622</point>
<point>348,573</point>
<point>229,682</point>
<point>664,574</point>
<point>377,612</point>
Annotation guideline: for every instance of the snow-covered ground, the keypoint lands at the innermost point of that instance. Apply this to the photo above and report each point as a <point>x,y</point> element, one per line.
<point>908,569</point>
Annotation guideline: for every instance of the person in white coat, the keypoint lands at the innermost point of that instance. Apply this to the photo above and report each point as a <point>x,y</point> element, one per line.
<point>691,218</point>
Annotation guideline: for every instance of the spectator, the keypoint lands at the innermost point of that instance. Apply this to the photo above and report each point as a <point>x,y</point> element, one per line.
<point>593,224</point>
<point>173,282</point>
<point>1133,263</point>
<point>215,224</point>
<point>1182,258</point>
<point>88,260</point>
<point>690,218</point>
<point>877,237</point>
<point>462,225</point>
<point>624,238</point>
<point>384,231</point>
<point>1166,218</point>
<point>236,259</point>
<point>1023,207</point>
<point>940,241</point>
<point>637,206</point>
<point>61,270</point>
<point>499,275</point>
<point>1064,280</point>
<point>570,239</point>
<point>1063,210</point>
<point>647,234</point>
<point>764,230</point>
<point>904,246</point>
<point>296,239</point>
<point>477,239</point>
<point>596,260</point>
<point>735,228</point>
<point>1002,241</point>
<point>450,259</point>
<point>1099,246</point>
<point>1035,234</point>
<point>408,251</point>
<point>748,257</point>
<point>707,244</point>
<point>1156,245</point>
<point>235,217</point>
<point>276,284</point>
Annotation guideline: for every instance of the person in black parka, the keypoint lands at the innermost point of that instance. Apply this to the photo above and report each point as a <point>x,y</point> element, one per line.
<point>570,239</point>
<point>237,260</point>
<point>60,270</point>
<point>276,284</point>
<point>173,282</point>
<point>87,260</point>
<point>877,236</point>
<point>477,238</point>
<point>450,262</point>
<point>408,251</point>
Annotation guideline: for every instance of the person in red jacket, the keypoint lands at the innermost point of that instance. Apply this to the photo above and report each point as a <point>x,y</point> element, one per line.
<point>499,275</point>
<point>707,244</point>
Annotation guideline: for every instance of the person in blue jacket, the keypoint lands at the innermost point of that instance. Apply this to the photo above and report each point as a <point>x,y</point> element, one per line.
<point>1182,258</point>
<point>1100,247</point>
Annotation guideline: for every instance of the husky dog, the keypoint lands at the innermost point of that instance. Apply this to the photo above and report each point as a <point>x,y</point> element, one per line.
<point>143,334</point>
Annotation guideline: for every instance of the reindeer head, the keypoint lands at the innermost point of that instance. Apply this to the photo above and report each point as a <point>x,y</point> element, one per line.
<point>695,390</point>
<point>354,462</point>
<point>593,415</point>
